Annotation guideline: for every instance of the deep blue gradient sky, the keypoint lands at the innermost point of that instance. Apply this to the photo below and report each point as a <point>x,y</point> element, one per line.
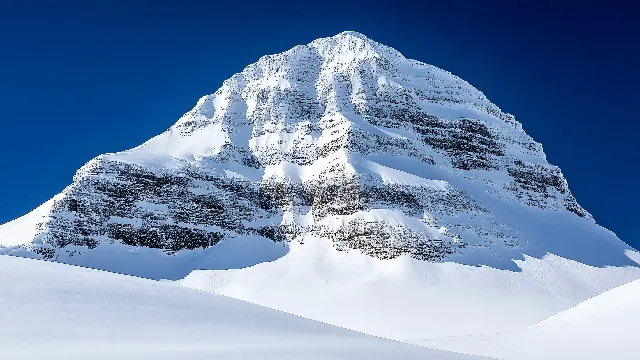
<point>79,79</point>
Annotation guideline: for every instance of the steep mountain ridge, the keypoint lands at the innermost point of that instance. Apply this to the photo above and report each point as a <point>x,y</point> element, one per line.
<point>341,138</point>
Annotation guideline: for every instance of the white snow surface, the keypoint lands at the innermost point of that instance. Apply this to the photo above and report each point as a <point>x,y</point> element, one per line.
<point>407,299</point>
<point>23,229</point>
<point>57,311</point>
<point>603,327</point>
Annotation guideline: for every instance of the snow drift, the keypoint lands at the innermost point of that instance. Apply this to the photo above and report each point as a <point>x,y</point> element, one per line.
<point>57,311</point>
<point>603,327</point>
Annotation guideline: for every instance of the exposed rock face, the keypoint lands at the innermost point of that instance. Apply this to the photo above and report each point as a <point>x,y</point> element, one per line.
<point>341,138</point>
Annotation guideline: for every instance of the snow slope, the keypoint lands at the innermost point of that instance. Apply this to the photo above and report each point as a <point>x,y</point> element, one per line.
<point>407,299</point>
<point>603,327</point>
<point>55,311</point>
<point>23,229</point>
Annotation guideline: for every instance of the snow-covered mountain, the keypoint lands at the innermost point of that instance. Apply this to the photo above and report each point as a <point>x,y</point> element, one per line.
<point>345,183</point>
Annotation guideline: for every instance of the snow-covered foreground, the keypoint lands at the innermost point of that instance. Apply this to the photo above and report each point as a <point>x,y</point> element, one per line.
<point>58,311</point>
<point>55,311</point>
<point>406,299</point>
<point>603,327</point>
<point>413,301</point>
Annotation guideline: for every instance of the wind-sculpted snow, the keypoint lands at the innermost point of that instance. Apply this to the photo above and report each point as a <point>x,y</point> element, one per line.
<point>603,327</point>
<point>62,312</point>
<point>342,138</point>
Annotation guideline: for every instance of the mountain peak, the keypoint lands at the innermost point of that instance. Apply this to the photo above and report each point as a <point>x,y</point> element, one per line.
<point>346,37</point>
<point>350,33</point>
<point>351,45</point>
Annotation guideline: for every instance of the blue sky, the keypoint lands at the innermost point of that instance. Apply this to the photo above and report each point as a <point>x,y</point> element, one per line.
<point>79,79</point>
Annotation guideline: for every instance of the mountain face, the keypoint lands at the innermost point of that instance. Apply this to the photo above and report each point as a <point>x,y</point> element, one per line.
<point>343,139</point>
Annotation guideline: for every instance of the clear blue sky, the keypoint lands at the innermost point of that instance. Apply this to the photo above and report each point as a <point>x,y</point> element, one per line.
<point>79,79</point>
